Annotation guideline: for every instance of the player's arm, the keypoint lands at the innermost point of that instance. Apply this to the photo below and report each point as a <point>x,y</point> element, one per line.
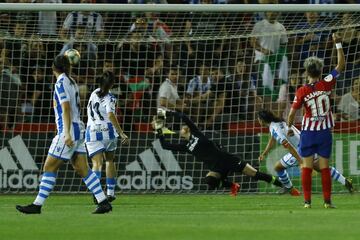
<point>170,146</point>
<point>340,53</point>
<point>297,104</point>
<point>119,130</point>
<point>65,106</point>
<point>269,146</point>
<point>184,118</point>
<point>292,150</point>
<point>290,120</point>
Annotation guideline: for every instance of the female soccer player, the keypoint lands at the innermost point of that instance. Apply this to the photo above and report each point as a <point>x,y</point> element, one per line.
<point>100,137</point>
<point>68,144</point>
<point>317,122</point>
<point>278,130</point>
<point>220,162</point>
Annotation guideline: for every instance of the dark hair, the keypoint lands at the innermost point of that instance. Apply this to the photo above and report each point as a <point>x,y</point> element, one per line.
<point>106,81</point>
<point>61,64</point>
<point>268,116</point>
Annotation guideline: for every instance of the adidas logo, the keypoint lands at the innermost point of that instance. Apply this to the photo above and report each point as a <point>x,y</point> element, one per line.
<point>147,180</point>
<point>11,176</point>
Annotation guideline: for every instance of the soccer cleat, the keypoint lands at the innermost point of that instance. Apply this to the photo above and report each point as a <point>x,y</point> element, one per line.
<point>235,187</point>
<point>103,207</point>
<point>29,209</point>
<point>329,205</point>
<point>294,192</point>
<point>349,185</point>
<point>307,204</point>
<point>110,198</point>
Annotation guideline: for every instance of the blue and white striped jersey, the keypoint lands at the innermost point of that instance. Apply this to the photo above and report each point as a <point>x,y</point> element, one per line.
<point>278,130</point>
<point>197,86</point>
<point>99,127</point>
<point>68,91</point>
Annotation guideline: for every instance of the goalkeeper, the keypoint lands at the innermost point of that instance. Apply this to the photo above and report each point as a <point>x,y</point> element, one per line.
<point>220,162</point>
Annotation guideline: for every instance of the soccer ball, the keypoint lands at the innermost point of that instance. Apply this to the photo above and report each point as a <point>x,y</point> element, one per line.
<point>73,55</point>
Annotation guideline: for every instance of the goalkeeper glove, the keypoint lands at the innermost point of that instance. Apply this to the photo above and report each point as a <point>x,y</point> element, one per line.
<point>161,113</point>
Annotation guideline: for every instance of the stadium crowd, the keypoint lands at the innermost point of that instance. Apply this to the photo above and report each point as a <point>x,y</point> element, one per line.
<point>178,61</point>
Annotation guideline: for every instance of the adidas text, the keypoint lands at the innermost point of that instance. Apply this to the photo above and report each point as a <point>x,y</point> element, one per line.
<point>157,182</point>
<point>18,180</point>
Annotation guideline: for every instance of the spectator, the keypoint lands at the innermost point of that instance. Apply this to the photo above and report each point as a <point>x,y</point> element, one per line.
<point>312,43</point>
<point>168,96</point>
<point>349,105</point>
<point>10,84</point>
<point>218,91</point>
<point>47,21</point>
<point>87,49</point>
<point>270,53</point>
<point>92,20</point>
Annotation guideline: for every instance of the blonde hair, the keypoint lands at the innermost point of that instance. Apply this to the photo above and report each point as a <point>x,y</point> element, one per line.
<point>313,66</point>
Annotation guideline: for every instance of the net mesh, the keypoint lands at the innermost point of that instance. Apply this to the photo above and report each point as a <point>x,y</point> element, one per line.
<point>235,63</point>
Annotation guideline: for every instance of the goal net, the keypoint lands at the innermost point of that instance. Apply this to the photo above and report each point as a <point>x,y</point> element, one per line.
<point>226,65</point>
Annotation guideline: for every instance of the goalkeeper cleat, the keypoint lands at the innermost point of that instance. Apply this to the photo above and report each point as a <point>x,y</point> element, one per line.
<point>329,205</point>
<point>110,198</point>
<point>307,204</point>
<point>349,185</point>
<point>29,209</point>
<point>103,207</point>
<point>235,187</point>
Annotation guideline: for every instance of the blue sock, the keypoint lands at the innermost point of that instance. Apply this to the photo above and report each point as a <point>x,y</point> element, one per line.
<point>93,184</point>
<point>110,186</point>
<point>336,175</point>
<point>284,178</point>
<point>98,174</point>
<point>46,185</point>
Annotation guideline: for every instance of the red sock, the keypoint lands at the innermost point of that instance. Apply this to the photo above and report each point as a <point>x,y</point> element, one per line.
<point>306,183</point>
<point>326,184</point>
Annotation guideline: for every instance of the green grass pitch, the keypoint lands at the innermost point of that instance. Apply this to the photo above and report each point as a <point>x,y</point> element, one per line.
<point>263,217</point>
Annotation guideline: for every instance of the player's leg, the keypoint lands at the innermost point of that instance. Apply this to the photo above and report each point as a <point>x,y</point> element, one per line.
<point>95,151</point>
<point>306,179</point>
<point>337,176</point>
<point>280,167</point>
<point>47,183</point>
<point>324,151</point>
<point>250,171</point>
<point>110,176</point>
<point>91,181</point>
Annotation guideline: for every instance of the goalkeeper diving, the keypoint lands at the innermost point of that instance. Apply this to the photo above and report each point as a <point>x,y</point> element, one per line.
<point>219,162</point>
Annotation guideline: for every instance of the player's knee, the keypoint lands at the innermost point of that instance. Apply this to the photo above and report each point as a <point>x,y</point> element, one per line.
<point>278,167</point>
<point>212,182</point>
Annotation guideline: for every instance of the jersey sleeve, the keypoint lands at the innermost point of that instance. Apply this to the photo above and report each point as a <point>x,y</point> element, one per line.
<point>330,80</point>
<point>298,100</point>
<point>110,105</point>
<point>164,91</point>
<point>172,146</point>
<point>62,92</point>
<point>68,20</point>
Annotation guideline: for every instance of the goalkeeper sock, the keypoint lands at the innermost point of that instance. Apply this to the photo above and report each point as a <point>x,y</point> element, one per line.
<point>110,186</point>
<point>267,178</point>
<point>284,178</point>
<point>46,185</point>
<point>93,184</point>
<point>326,184</point>
<point>306,179</point>
<point>336,175</point>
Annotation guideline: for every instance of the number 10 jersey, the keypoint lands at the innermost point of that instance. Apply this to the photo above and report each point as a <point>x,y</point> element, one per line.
<point>316,100</point>
<point>99,126</point>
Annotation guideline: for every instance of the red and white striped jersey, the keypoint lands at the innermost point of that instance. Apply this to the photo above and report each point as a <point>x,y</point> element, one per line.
<point>316,100</point>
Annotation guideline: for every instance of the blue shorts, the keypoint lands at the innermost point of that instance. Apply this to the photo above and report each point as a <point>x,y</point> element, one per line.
<point>315,142</point>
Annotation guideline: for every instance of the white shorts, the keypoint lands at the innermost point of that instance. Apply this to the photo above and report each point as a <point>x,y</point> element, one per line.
<point>289,161</point>
<point>59,150</point>
<point>108,145</point>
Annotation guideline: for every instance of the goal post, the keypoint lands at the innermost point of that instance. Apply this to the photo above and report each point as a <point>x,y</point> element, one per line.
<point>232,60</point>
